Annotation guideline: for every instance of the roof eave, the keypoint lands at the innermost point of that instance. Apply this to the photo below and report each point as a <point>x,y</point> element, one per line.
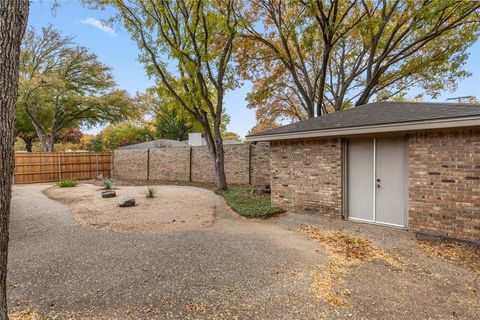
<point>373,129</point>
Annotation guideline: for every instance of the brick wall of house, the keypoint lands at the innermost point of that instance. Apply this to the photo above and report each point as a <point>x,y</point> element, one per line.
<point>444,183</point>
<point>307,176</point>
<point>170,164</point>
<point>244,164</point>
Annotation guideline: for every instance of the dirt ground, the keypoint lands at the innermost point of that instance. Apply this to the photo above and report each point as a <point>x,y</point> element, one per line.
<point>174,208</point>
<point>293,266</point>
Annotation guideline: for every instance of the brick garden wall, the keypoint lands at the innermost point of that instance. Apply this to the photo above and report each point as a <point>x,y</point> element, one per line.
<point>130,164</point>
<point>171,164</point>
<point>307,176</point>
<point>236,164</point>
<point>260,164</point>
<point>244,164</point>
<point>444,183</point>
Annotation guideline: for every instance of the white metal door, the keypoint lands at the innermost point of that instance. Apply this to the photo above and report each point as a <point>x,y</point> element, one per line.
<point>390,202</point>
<point>376,180</point>
<point>359,179</point>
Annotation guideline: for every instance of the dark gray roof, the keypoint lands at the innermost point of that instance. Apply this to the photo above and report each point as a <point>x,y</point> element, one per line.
<point>379,113</point>
<point>161,143</point>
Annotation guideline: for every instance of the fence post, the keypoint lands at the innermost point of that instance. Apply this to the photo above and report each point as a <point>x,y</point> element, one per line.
<point>249,163</point>
<point>148,164</point>
<point>112,165</point>
<point>59,167</point>
<point>96,160</point>
<point>190,165</point>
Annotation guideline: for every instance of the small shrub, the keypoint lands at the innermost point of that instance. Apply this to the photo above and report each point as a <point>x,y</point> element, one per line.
<point>247,203</point>
<point>108,184</point>
<point>152,192</point>
<point>67,183</point>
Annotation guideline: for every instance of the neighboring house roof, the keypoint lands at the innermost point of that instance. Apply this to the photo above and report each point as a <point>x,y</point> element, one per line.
<point>232,142</point>
<point>165,143</point>
<point>376,118</point>
<point>161,143</point>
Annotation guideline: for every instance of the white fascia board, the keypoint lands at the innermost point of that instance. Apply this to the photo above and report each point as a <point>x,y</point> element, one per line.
<point>382,128</point>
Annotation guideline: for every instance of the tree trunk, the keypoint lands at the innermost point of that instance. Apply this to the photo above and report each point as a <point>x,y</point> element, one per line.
<point>13,20</point>
<point>42,137</point>
<point>28,143</point>
<point>367,92</point>
<point>220,165</point>
<point>323,78</point>
<point>215,148</point>
<point>51,143</point>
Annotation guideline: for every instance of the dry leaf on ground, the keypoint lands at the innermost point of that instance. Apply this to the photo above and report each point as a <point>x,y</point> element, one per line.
<point>346,252</point>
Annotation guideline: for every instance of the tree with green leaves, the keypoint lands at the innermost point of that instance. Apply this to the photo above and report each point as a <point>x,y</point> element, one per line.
<point>188,46</point>
<point>13,21</point>
<point>24,129</point>
<point>93,142</point>
<point>332,55</point>
<point>63,85</point>
<point>123,134</point>
<point>168,120</point>
<point>231,136</point>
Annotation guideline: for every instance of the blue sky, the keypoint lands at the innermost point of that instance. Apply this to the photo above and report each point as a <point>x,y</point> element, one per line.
<point>114,48</point>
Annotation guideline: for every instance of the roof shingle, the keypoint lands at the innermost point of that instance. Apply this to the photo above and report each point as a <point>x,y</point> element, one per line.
<point>379,113</point>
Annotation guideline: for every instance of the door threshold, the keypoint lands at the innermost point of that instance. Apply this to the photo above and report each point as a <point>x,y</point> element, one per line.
<point>376,223</point>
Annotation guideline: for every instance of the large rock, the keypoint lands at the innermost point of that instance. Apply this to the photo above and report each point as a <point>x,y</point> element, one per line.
<point>126,201</point>
<point>108,194</point>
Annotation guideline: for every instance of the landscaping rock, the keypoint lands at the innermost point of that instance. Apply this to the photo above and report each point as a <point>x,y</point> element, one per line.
<point>126,201</point>
<point>108,194</point>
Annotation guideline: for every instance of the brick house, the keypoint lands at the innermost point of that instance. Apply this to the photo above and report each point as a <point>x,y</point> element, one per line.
<point>407,165</point>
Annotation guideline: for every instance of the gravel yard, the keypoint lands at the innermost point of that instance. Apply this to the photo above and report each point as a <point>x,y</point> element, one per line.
<point>173,208</point>
<point>287,267</point>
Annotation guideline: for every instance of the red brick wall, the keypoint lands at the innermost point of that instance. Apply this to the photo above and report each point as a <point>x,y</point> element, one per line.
<point>307,176</point>
<point>444,183</point>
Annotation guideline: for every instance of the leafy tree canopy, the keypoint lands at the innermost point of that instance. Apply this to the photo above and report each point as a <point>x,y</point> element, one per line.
<point>63,85</point>
<point>188,46</point>
<point>123,134</point>
<point>311,57</point>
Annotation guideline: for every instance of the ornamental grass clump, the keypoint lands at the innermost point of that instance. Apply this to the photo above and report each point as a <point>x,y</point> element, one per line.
<point>152,192</point>
<point>108,184</point>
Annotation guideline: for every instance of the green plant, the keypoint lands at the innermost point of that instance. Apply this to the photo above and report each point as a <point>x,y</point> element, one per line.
<point>152,192</point>
<point>247,203</point>
<point>67,183</point>
<point>108,184</point>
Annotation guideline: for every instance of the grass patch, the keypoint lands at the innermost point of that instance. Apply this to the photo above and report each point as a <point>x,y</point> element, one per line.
<point>247,203</point>
<point>67,183</point>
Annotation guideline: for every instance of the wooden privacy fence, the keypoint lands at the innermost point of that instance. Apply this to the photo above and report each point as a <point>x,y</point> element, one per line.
<point>46,167</point>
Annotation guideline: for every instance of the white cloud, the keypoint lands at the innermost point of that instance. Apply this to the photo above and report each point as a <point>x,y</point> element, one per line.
<point>99,25</point>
